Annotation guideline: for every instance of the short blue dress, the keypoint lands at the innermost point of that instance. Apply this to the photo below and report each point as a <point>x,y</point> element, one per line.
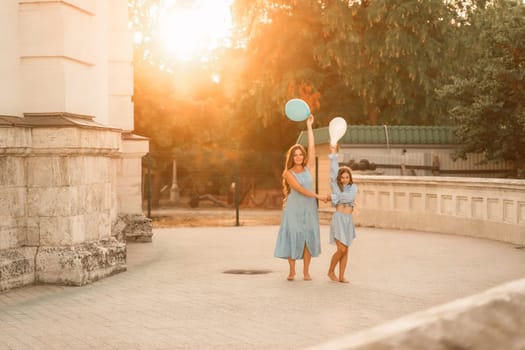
<point>299,223</point>
<point>342,224</point>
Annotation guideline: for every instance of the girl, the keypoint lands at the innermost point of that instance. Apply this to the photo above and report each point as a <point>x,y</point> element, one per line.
<point>342,230</point>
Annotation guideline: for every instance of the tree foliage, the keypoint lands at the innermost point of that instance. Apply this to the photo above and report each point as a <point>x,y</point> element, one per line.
<point>384,59</point>
<point>369,61</point>
<point>185,114</point>
<point>487,96</point>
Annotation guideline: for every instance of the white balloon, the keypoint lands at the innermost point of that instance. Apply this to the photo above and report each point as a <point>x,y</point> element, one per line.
<point>336,129</point>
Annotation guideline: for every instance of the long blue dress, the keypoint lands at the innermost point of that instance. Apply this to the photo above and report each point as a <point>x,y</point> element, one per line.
<point>299,222</point>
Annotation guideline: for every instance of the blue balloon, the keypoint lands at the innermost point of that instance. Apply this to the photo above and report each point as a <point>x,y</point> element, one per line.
<point>297,110</point>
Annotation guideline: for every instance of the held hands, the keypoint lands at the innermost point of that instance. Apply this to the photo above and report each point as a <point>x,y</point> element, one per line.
<point>323,197</point>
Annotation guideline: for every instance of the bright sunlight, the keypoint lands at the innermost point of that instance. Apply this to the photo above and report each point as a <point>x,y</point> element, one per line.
<point>190,30</point>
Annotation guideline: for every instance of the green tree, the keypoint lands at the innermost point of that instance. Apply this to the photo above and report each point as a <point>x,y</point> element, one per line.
<point>392,54</point>
<point>277,43</point>
<point>179,107</point>
<point>378,59</point>
<point>488,95</point>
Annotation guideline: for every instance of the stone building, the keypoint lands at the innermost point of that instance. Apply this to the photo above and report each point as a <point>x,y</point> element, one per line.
<point>70,166</point>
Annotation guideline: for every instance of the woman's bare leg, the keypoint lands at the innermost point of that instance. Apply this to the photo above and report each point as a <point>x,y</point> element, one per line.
<point>307,258</point>
<point>291,275</point>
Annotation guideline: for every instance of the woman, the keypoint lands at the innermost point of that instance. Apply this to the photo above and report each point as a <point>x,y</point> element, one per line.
<point>342,230</point>
<point>299,236</point>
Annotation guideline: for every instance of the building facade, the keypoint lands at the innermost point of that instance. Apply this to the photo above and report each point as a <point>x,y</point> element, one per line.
<point>70,165</point>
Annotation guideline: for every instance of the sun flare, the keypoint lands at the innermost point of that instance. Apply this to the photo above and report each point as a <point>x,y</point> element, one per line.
<point>189,31</point>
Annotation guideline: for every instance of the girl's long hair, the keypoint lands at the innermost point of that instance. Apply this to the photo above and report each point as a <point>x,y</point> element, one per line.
<point>288,164</point>
<point>342,170</point>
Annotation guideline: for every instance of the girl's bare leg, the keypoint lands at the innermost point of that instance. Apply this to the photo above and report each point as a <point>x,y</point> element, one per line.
<point>291,275</point>
<point>342,268</point>
<point>333,264</point>
<point>336,258</point>
<point>307,258</point>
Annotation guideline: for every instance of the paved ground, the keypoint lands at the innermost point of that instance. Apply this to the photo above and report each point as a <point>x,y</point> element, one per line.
<point>175,294</point>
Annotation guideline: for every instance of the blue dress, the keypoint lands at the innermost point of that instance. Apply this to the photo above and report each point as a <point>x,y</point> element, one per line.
<point>299,222</point>
<point>342,225</point>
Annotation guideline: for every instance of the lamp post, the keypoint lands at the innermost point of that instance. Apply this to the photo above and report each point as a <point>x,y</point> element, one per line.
<point>174,191</point>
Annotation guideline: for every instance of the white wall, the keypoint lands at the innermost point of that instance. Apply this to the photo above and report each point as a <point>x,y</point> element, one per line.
<point>67,57</point>
<point>477,207</point>
<point>57,54</point>
<point>9,68</point>
<point>120,68</point>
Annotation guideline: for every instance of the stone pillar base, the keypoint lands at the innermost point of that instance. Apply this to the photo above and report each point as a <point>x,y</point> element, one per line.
<point>132,228</point>
<point>80,264</point>
<point>17,267</point>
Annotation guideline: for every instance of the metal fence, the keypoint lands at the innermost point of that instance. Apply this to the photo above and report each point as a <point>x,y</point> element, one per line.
<point>253,183</point>
<point>254,180</point>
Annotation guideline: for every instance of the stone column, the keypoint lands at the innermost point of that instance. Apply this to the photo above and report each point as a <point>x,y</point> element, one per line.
<point>130,224</point>
<point>70,195</point>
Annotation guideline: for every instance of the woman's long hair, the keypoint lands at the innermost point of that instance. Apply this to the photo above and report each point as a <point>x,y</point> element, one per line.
<point>342,170</point>
<point>288,164</point>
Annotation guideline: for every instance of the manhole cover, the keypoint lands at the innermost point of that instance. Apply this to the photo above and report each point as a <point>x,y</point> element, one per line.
<point>246,272</point>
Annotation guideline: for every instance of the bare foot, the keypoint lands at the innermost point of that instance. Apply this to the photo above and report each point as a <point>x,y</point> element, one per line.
<point>344,280</point>
<point>332,276</point>
<point>307,277</point>
<point>291,277</point>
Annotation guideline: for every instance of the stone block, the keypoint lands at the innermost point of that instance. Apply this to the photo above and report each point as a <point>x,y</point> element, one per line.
<point>17,267</point>
<point>15,140</point>
<point>93,198</point>
<point>71,230</point>
<point>58,230</point>
<point>33,231</point>
<point>70,140</point>
<point>130,203</point>
<point>52,201</point>
<point>48,171</point>
<point>97,226</point>
<point>132,228</point>
<point>12,171</point>
<point>96,198</point>
<point>80,264</point>
<point>12,201</point>
<point>91,169</point>
<point>8,233</point>
<point>134,146</point>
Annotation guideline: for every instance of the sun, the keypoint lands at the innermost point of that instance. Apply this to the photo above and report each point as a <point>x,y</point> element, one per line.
<point>190,30</point>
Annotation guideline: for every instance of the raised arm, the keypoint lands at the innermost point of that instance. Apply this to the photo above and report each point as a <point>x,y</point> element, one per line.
<point>311,141</point>
<point>334,168</point>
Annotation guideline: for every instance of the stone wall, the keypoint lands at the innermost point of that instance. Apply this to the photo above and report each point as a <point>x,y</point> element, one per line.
<point>57,204</point>
<point>491,320</point>
<point>483,208</point>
